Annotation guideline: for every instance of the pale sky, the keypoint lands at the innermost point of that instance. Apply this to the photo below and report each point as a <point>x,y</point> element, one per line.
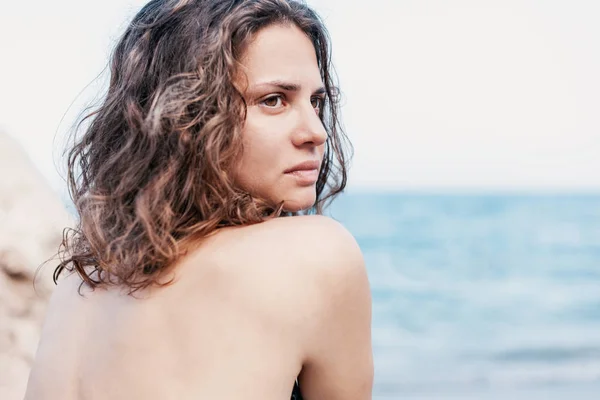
<point>476,95</point>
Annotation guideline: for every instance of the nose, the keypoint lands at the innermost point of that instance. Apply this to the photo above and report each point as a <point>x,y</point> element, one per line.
<point>309,129</point>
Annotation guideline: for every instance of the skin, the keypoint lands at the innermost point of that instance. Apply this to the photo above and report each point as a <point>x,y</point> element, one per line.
<point>282,86</point>
<point>250,309</point>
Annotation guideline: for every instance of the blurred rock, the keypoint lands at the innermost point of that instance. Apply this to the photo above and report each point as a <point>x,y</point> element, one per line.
<point>32,219</point>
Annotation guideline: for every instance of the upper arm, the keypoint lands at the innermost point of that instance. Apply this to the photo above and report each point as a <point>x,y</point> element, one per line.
<point>339,357</point>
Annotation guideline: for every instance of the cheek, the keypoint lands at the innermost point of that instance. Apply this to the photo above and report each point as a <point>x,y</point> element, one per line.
<point>254,149</point>
<point>258,164</point>
<point>263,143</point>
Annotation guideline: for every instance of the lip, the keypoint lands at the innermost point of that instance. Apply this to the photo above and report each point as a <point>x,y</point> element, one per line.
<point>305,173</point>
<point>304,166</point>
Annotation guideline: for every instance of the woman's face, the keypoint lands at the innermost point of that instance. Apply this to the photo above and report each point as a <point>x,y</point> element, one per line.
<point>284,138</point>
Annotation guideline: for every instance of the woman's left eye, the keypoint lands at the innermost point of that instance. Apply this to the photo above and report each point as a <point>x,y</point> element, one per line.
<point>317,102</point>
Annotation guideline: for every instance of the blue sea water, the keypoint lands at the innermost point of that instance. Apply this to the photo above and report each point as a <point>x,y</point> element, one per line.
<point>481,296</point>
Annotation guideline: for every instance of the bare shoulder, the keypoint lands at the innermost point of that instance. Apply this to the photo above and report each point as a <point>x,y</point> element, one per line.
<point>307,273</point>
<point>326,257</point>
<point>313,238</point>
<point>315,257</point>
<point>317,248</point>
<point>312,261</point>
<point>338,361</point>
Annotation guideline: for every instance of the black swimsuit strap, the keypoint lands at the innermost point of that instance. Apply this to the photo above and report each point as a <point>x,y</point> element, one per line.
<point>296,395</point>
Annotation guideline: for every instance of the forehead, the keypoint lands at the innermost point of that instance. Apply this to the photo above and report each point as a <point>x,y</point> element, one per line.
<point>281,52</point>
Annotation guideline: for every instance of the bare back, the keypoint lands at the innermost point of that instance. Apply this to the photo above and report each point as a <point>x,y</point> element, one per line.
<point>241,320</point>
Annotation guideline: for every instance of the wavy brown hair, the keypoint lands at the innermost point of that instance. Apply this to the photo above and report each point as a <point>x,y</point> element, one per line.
<point>152,169</point>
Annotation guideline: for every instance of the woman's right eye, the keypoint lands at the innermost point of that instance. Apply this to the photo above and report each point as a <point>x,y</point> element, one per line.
<point>273,101</point>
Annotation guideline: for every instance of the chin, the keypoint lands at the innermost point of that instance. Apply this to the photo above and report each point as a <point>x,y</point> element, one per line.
<point>300,201</point>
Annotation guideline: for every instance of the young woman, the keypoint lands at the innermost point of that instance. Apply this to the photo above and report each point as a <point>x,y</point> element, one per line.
<point>196,271</point>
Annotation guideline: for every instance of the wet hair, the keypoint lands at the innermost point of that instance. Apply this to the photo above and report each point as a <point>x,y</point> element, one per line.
<point>153,168</point>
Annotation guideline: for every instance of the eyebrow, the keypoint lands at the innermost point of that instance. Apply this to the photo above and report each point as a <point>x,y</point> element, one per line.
<point>287,86</point>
